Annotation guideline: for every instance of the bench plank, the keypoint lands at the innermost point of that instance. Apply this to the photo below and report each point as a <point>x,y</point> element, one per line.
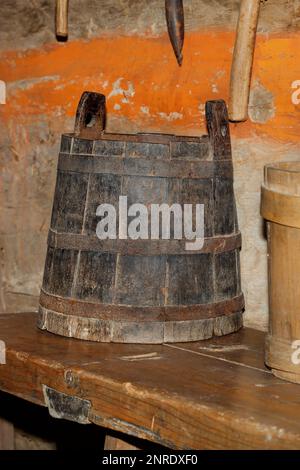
<point>214,394</point>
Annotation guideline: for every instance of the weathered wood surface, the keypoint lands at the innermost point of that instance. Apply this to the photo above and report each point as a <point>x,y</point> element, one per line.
<point>177,295</point>
<point>215,394</point>
<point>6,435</point>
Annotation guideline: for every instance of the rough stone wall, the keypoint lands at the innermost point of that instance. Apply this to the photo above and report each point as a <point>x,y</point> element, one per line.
<point>120,47</point>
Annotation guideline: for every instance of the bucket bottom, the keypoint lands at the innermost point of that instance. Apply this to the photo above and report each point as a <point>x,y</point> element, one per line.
<point>151,332</point>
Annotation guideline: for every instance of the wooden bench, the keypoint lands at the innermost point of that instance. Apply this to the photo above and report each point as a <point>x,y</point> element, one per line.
<point>214,394</point>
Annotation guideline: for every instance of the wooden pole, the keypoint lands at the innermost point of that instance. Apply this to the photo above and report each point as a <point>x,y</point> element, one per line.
<point>241,69</point>
<point>281,209</point>
<point>62,18</point>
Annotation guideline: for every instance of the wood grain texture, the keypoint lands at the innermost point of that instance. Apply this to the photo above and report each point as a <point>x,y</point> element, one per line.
<point>281,208</point>
<point>280,197</point>
<point>62,18</point>
<point>273,203</point>
<point>243,54</point>
<point>139,332</point>
<point>215,394</point>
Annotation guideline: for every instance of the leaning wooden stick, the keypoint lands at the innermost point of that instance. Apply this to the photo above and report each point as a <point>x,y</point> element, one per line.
<point>62,18</point>
<point>175,23</point>
<point>241,69</point>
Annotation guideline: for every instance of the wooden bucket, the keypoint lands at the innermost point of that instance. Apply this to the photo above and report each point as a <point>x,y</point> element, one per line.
<point>281,209</point>
<point>142,291</point>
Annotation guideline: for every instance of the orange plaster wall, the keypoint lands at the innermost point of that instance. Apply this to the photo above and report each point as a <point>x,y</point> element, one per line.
<point>58,73</point>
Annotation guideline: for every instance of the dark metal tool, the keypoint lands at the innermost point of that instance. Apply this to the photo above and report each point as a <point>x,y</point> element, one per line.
<point>175,22</point>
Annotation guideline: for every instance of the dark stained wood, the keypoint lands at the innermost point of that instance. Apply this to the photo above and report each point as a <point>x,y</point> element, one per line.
<point>142,314</point>
<point>225,216</point>
<point>82,242</point>
<point>195,150</point>
<point>68,210</point>
<point>218,129</point>
<point>142,167</point>
<point>90,115</point>
<point>214,394</point>
<point>149,278</point>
